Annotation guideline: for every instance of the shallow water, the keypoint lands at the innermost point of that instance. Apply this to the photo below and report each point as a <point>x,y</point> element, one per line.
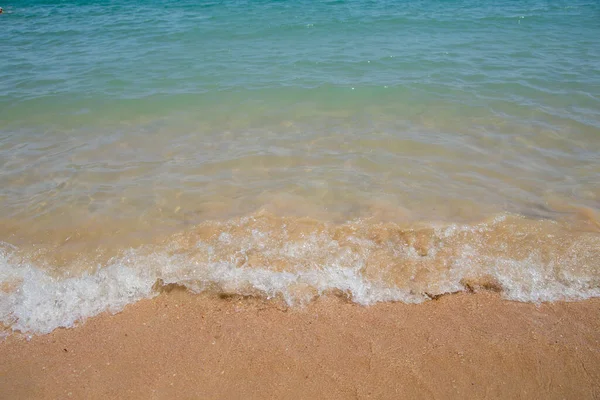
<point>390,150</point>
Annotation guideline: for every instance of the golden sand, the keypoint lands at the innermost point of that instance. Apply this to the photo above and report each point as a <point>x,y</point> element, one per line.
<point>180,345</point>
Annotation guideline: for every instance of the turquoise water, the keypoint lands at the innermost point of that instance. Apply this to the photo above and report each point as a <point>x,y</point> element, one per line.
<point>480,94</point>
<point>78,62</point>
<point>388,149</point>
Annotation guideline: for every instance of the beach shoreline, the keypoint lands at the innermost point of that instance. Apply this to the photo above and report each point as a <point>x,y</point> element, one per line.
<point>300,200</point>
<point>181,345</point>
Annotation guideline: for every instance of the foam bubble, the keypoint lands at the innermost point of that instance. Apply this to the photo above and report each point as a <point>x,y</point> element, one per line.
<point>298,260</point>
<point>41,303</point>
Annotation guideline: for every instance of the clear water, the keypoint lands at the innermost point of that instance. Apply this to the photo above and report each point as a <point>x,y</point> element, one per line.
<point>134,133</point>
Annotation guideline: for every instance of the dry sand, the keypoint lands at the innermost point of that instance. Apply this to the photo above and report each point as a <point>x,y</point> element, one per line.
<point>180,345</point>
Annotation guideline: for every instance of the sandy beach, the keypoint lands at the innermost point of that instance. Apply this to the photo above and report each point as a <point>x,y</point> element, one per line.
<point>300,200</point>
<point>180,345</point>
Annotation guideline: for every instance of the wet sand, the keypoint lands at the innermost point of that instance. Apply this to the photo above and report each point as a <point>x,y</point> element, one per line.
<point>180,345</point>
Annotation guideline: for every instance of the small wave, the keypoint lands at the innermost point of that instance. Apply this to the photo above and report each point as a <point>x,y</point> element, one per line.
<point>297,259</point>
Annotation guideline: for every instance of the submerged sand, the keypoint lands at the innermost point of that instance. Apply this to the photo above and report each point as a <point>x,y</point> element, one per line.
<point>180,345</point>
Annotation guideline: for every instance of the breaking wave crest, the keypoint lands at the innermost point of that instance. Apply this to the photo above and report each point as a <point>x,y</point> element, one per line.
<point>297,259</point>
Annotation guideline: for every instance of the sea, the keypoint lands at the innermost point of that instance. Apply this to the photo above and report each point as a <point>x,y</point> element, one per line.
<point>378,150</point>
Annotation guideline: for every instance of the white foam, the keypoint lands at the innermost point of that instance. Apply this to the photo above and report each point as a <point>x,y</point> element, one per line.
<point>41,303</point>
<point>531,280</point>
<point>32,300</point>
